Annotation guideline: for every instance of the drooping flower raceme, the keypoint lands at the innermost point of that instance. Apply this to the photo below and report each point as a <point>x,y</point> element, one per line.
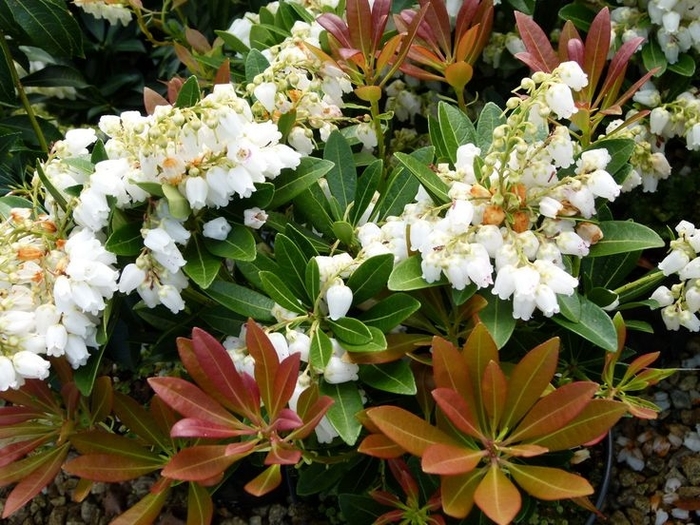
<point>53,290</point>
<point>681,303</point>
<point>510,223</point>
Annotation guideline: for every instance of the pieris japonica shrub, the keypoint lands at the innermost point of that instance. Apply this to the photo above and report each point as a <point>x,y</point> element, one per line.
<point>338,236</point>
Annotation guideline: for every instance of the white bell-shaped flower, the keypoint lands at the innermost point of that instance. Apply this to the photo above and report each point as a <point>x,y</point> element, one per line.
<point>338,299</point>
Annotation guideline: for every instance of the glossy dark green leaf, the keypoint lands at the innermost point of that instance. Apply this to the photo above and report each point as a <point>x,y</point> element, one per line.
<point>242,300</point>
<point>581,15</point>
<point>395,377</point>
<point>570,306</point>
<point>342,413</point>
<point>292,262</point>
<point>350,330</point>
<point>489,119</point>
<point>55,76</point>
<point>126,240</point>
<point>344,232</point>
<point>370,277</point>
<point>367,185</point>
<point>291,183</point>
<point>433,184</point>
<point>255,64</point>
<point>625,236</point>
<point>251,269</point>
<point>280,292</point>
<point>654,57</point>
<point>342,177</point>
<point>359,509</point>
<point>408,275</point>
<point>594,325</point>
<point>189,93</point>
<point>313,205</point>
<point>321,349</point>
<point>390,311</point>
<point>685,66</point>
<point>312,280</point>
<point>7,87</point>
<point>498,318</point>
<point>239,244</point>
<point>456,129</point>
<point>376,344</point>
<point>49,25</point>
<point>201,266</point>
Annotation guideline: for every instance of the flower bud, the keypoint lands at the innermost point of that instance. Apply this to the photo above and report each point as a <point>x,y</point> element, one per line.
<point>338,299</point>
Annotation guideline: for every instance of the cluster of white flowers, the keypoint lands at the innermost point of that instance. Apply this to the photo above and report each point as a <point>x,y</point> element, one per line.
<point>648,159</point>
<point>114,11</point>
<point>53,291</point>
<point>297,81</point>
<point>675,22</point>
<point>209,154</point>
<point>681,302</point>
<point>679,118</point>
<point>509,227</point>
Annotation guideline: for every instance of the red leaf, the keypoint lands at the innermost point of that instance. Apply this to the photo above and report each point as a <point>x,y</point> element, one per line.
<point>616,71</point>
<point>282,454</point>
<point>36,480</point>
<point>448,460</point>
<point>266,365</point>
<point>284,384</point>
<point>190,401</point>
<point>101,399</point>
<point>152,99</point>
<point>360,21</point>
<point>336,27</point>
<point>458,412</point>
<point>199,463</point>
<point>11,415</point>
<point>139,420</point>
<point>35,394</point>
<point>497,497</point>
<point>539,50</point>
<point>494,388</point>
<point>14,451</point>
<point>101,442</point>
<point>554,411</point>
<point>220,374</point>
<point>286,420</point>
<point>311,408</point>
<point>597,48</point>
<point>111,468</point>
<point>199,428</point>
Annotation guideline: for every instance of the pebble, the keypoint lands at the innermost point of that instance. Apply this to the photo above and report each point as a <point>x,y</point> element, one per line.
<point>691,468</point>
<point>680,399</point>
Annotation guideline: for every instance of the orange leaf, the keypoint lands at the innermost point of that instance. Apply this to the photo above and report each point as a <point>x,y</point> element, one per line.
<point>152,99</point>
<point>201,462</point>
<point>267,481</point>
<point>284,384</point>
<point>529,379</point>
<point>458,493</point>
<point>497,497</point>
<point>12,452</point>
<point>494,388</point>
<point>405,429</point>
<point>145,512</point>
<point>458,412</point>
<point>112,468</point>
<point>197,40</point>
<point>101,442</point>
<point>549,483</point>
<point>223,74</point>
<point>450,369</point>
<point>266,364</point>
<point>448,460</point>
<point>593,421</point>
<point>101,399</point>
<point>11,415</point>
<point>554,411</point>
<point>44,472</point>
<point>23,468</point>
<point>478,351</point>
<point>380,446</point>
<point>200,508</point>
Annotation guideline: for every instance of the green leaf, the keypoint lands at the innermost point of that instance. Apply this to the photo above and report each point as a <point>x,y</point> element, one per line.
<point>594,325</point>
<point>291,182</point>
<point>99,153</point>
<point>242,300</point>
<point>280,292</point>
<point>391,311</point>
<point>376,344</point>
<point>292,262</point>
<point>344,232</point>
<point>570,306</point>
<point>524,6</point>
<point>201,266</point>
<point>685,65</point>
<point>359,509</point>
<point>623,237</point>
<point>55,75</point>
<point>351,331</point>
<point>653,57</point>
<point>189,93</point>
<point>313,204</point>
<point>456,128</point>
<point>126,240</point>
<point>432,183</point>
<point>86,375</point>
<point>49,25</point>
<point>370,277</point>
<point>342,413</point>
<point>8,202</point>
<point>232,41</point>
<point>395,377</point>
<point>255,64</point>
<point>400,189</point>
<point>498,318</point>
<point>239,244</point>
<point>579,14</point>
<point>342,177</point>
<point>366,187</point>
<point>620,151</point>
<point>489,119</point>
<point>321,349</point>
<point>408,275</point>
<point>177,203</point>
<point>611,271</point>
<point>318,477</point>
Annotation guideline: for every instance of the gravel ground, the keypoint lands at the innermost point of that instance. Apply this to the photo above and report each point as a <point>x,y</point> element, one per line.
<point>655,477</point>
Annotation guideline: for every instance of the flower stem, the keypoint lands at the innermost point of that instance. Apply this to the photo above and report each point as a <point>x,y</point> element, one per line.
<point>22,95</point>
